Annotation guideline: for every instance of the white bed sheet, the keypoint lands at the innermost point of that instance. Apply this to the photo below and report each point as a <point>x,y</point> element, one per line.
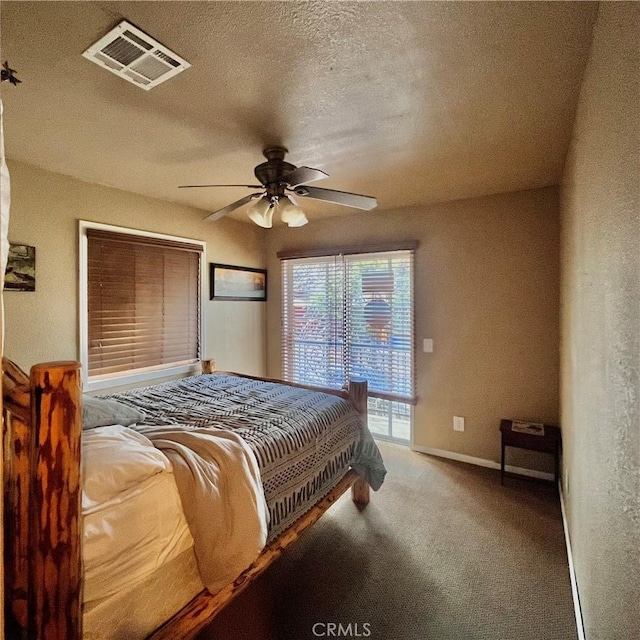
<point>137,530</point>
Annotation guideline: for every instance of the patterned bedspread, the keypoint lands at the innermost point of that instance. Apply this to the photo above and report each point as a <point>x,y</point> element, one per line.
<point>304,441</point>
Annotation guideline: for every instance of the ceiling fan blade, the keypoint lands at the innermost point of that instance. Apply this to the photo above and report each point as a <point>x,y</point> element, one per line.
<point>216,215</point>
<point>302,175</point>
<point>195,186</point>
<point>338,197</point>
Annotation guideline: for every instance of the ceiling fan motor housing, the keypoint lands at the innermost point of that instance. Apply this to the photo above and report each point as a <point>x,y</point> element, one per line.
<point>275,167</point>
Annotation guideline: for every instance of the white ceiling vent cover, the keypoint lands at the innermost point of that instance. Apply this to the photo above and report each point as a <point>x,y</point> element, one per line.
<point>136,57</point>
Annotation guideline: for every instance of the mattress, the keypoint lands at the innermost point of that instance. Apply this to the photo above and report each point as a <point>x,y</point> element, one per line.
<point>304,441</point>
<point>143,605</point>
<point>133,521</point>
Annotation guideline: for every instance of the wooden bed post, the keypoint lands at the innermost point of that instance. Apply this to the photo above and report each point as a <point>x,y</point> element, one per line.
<point>208,366</point>
<point>43,499</point>
<point>55,561</point>
<point>358,396</point>
<point>17,465</point>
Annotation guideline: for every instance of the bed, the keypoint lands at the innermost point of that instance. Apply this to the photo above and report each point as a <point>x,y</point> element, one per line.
<point>157,588</point>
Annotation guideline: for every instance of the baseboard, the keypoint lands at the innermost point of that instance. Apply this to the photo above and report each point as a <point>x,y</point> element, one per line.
<point>572,573</point>
<point>482,462</point>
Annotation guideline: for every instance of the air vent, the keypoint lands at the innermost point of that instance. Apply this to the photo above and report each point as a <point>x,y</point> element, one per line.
<point>134,56</point>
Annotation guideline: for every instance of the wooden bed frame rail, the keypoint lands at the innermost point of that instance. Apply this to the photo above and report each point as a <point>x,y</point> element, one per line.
<point>42,431</point>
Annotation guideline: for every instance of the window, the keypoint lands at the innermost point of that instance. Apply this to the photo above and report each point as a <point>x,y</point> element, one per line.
<point>140,304</point>
<point>352,315</point>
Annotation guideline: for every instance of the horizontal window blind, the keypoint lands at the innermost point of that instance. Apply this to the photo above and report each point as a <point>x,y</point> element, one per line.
<point>379,323</point>
<point>143,302</point>
<point>350,315</point>
<point>313,321</point>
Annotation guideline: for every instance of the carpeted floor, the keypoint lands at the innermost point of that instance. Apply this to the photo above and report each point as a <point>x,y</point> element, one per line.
<point>442,552</point>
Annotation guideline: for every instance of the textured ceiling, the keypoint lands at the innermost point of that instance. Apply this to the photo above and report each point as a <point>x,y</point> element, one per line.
<point>411,102</point>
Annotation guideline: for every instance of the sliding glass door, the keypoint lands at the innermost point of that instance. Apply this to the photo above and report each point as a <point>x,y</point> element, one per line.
<point>352,315</point>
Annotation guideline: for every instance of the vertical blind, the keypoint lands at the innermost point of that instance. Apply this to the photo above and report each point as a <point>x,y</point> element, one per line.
<point>350,315</point>
<point>143,302</point>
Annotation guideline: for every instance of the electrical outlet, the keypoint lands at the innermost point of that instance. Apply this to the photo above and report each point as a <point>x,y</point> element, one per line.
<point>458,423</point>
<point>427,345</point>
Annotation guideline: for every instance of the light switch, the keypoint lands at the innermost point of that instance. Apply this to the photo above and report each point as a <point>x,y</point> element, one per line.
<point>427,345</point>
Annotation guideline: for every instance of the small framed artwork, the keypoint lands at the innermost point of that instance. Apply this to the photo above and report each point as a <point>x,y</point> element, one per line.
<point>20,274</point>
<point>228,282</point>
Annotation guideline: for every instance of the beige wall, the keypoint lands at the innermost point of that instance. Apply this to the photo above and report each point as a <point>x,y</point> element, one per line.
<point>601,328</point>
<point>486,289</point>
<point>45,208</point>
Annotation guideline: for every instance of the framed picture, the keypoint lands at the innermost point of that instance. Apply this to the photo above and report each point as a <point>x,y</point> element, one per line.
<point>20,274</point>
<point>228,282</point>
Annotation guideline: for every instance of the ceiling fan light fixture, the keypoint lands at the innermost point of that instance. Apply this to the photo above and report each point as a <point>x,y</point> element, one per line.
<point>261,206</point>
<point>265,221</point>
<point>262,213</point>
<point>290,213</point>
<point>299,220</point>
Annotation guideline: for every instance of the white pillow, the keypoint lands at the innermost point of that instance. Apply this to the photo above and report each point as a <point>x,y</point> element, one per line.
<point>114,459</point>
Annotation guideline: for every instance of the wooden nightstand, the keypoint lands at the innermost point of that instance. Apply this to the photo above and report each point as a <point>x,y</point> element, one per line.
<point>548,442</point>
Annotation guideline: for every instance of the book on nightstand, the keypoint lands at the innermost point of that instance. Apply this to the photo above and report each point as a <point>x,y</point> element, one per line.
<point>532,428</point>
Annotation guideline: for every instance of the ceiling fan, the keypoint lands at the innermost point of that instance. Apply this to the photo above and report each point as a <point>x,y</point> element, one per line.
<point>278,180</point>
